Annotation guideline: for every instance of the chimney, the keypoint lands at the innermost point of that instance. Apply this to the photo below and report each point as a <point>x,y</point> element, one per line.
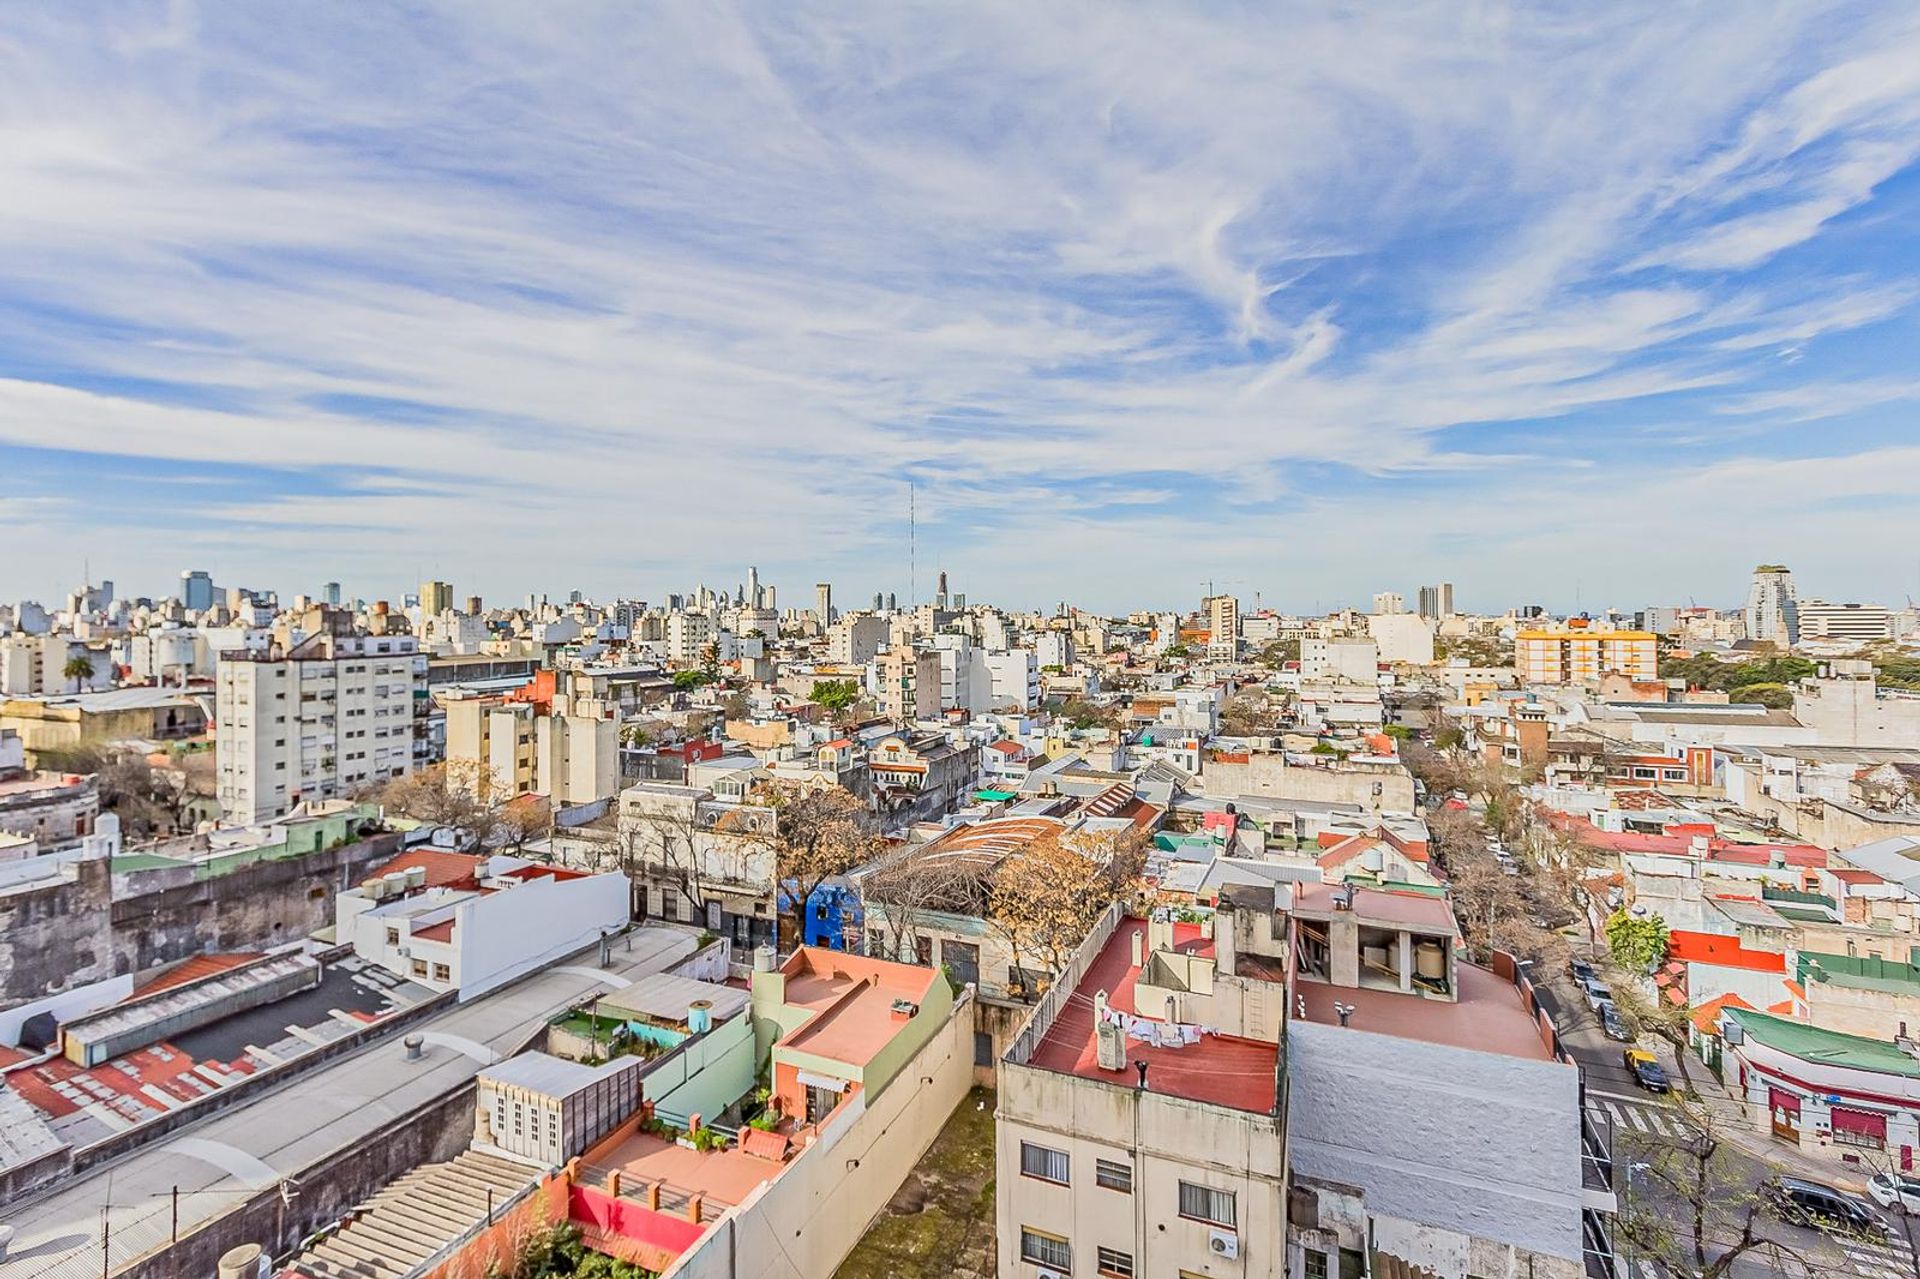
<point>1136,945</point>
<point>1140,1065</point>
<point>1343,1011</point>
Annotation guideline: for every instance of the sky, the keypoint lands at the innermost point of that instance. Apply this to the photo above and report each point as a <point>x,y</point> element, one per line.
<point>1582,305</point>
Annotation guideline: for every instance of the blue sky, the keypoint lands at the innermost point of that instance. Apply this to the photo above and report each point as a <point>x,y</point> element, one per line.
<point>1581,303</point>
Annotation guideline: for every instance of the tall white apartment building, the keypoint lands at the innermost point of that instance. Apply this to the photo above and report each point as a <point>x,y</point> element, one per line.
<point>1773,610</point>
<point>1223,627</point>
<point>322,719</point>
<point>1389,602</point>
<point>1569,655</point>
<point>1014,680</point>
<point>687,635</point>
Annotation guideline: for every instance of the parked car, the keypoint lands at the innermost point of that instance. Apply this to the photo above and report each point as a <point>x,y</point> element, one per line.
<point>1646,1070</point>
<point>1825,1208</point>
<point>1598,993</point>
<point>1614,1024</point>
<point>1892,1190</point>
<point>1581,972</point>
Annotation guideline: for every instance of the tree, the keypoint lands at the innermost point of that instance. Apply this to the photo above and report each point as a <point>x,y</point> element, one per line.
<point>1249,713</point>
<point>1699,1214</point>
<point>734,706</point>
<point>1081,713</point>
<point>818,834</point>
<point>836,695</point>
<point>900,892</point>
<point>457,793</point>
<point>688,680</point>
<point>1638,944</point>
<point>1047,896</point>
<point>78,670</point>
<point>521,820</point>
<point>1774,696</point>
<point>1279,653</point>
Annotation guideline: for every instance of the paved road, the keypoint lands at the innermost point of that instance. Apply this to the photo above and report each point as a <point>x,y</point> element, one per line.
<point>1639,1120</point>
<point>254,1146</point>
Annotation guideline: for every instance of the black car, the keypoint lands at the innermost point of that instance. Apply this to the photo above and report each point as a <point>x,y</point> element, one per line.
<point>1826,1208</point>
<point>1614,1024</point>
<point>1581,971</point>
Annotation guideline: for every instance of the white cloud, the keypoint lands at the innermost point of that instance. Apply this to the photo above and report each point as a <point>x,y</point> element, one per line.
<point>687,285</point>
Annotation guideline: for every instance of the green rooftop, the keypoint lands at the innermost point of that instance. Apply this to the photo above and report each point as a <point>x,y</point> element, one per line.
<point>1858,972</point>
<point>1828,1047</point>
<point>994,796</point>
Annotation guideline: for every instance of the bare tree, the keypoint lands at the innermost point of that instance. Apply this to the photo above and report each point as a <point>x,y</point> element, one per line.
<point>529,817</point>
<point>457,793</point>
<point>1047,896</point>
<point>663,843</point>
<point>902,891</point>
<point>819,833</point>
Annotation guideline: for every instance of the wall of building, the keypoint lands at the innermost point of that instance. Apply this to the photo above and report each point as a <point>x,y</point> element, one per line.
<point>1385,1114</point>
<point>502,935</point>
<point>1165,1140</point>
<point>164,915</point>
<point>56,933</point>
<point>1267,773</point>
<point>802,1224</point>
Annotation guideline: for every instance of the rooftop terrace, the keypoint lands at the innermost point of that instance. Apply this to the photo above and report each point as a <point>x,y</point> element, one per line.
<point>1489,1015</point>
<point>1220,1070</point>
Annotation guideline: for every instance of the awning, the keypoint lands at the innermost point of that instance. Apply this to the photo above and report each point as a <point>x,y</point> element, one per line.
<point>1866,1123</point>
<point>1783,1101</point>
<point>811,1080</point>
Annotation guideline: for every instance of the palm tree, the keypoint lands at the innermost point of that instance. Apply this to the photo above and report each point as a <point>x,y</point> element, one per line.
<point>79,670</point>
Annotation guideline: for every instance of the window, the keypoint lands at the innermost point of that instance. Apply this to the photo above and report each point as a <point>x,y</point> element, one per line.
<point>393,936</point>
<point>1315,1265</point>
<point>1047,1165</point>
<point>1113,1175</point>
<point>982,1048</point>
<point>441,972</point>
<point>1204,1203</point>
<point>1116,1264</point>
<point>1050,1251</point>
<point>419,968</point>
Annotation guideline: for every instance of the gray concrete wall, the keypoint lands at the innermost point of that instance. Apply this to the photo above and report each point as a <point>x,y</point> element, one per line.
<point>162,916</point>
<point>57,935</point>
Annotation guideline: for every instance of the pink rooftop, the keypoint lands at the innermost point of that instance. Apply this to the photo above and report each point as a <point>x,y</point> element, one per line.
<point>853,1001</point>
<point>1220,1070</point>
<point>1488,1017</point>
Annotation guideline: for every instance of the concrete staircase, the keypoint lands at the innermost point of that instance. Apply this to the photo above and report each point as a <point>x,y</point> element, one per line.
<point>413,1218</point>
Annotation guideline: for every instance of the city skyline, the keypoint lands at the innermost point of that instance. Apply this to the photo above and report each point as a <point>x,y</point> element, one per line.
<point>619,301</point>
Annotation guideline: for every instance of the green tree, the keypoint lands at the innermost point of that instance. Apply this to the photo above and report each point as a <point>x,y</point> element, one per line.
<point>1776,696</point>
<point>687,681</point>
<point>1638,943</point>
<point>836,694</point>
<point>79,670</point>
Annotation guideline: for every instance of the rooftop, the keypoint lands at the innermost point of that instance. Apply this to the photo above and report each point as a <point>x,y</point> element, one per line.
<point>1487,1017</point>
<point>553,1076</point>
<point>852,998</point>
<point>1827,1047</point>
<point>1219,1070</point>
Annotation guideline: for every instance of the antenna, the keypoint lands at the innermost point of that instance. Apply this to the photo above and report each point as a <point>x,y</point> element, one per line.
<point>913,564</point>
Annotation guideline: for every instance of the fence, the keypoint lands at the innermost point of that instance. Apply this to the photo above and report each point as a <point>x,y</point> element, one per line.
<point>1064,984</point>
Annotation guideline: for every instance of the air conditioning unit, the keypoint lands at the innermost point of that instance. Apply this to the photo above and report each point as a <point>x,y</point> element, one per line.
<point>1223,1243</point>
<point>1050,1274</point>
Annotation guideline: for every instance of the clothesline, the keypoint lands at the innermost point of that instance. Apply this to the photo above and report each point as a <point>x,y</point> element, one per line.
<point>1161,1034</point>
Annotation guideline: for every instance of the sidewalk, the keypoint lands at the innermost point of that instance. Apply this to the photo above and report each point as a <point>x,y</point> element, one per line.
<point>1735,1122</point>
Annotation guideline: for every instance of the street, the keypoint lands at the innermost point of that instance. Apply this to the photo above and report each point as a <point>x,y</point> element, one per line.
<point>1640,1123</point>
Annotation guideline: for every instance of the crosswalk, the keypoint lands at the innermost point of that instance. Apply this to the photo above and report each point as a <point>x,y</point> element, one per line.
<point>1633,1116</point>
<point>1890,1260</point>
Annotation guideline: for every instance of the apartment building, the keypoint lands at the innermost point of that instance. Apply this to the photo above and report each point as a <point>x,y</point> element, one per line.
<point>1579,655</point>
<point>1013,679</point>
<point>856,639</point>
<point>322,718</point>
<point>909,683</point>
<point>1773,607</point>
<point>688,635</point>
<point>1223,627</point>
<point>515,748</point>
<point>1141,1121</point>
<point>1862,623</point>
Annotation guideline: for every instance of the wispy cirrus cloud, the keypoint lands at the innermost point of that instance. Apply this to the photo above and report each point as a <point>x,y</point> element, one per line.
<point>587,295</point>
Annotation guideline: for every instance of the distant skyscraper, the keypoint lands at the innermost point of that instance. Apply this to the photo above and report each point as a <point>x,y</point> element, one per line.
<point>196,589</point>
<point>1436,602</point>
<point>879,601</point>
<point>893,602</point>
<point>1773,610</point>
<point>823,602</point>
<point>330,593</point>
<point>436,598</point>
<point>752,594</point>
<point>1389,602</point>
<point>940,599</point>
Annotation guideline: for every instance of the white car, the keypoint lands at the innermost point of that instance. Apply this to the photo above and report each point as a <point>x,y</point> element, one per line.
<point>1892,1190</point>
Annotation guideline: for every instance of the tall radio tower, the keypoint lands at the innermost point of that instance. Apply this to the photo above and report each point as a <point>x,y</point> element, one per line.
<point>913,564</point>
